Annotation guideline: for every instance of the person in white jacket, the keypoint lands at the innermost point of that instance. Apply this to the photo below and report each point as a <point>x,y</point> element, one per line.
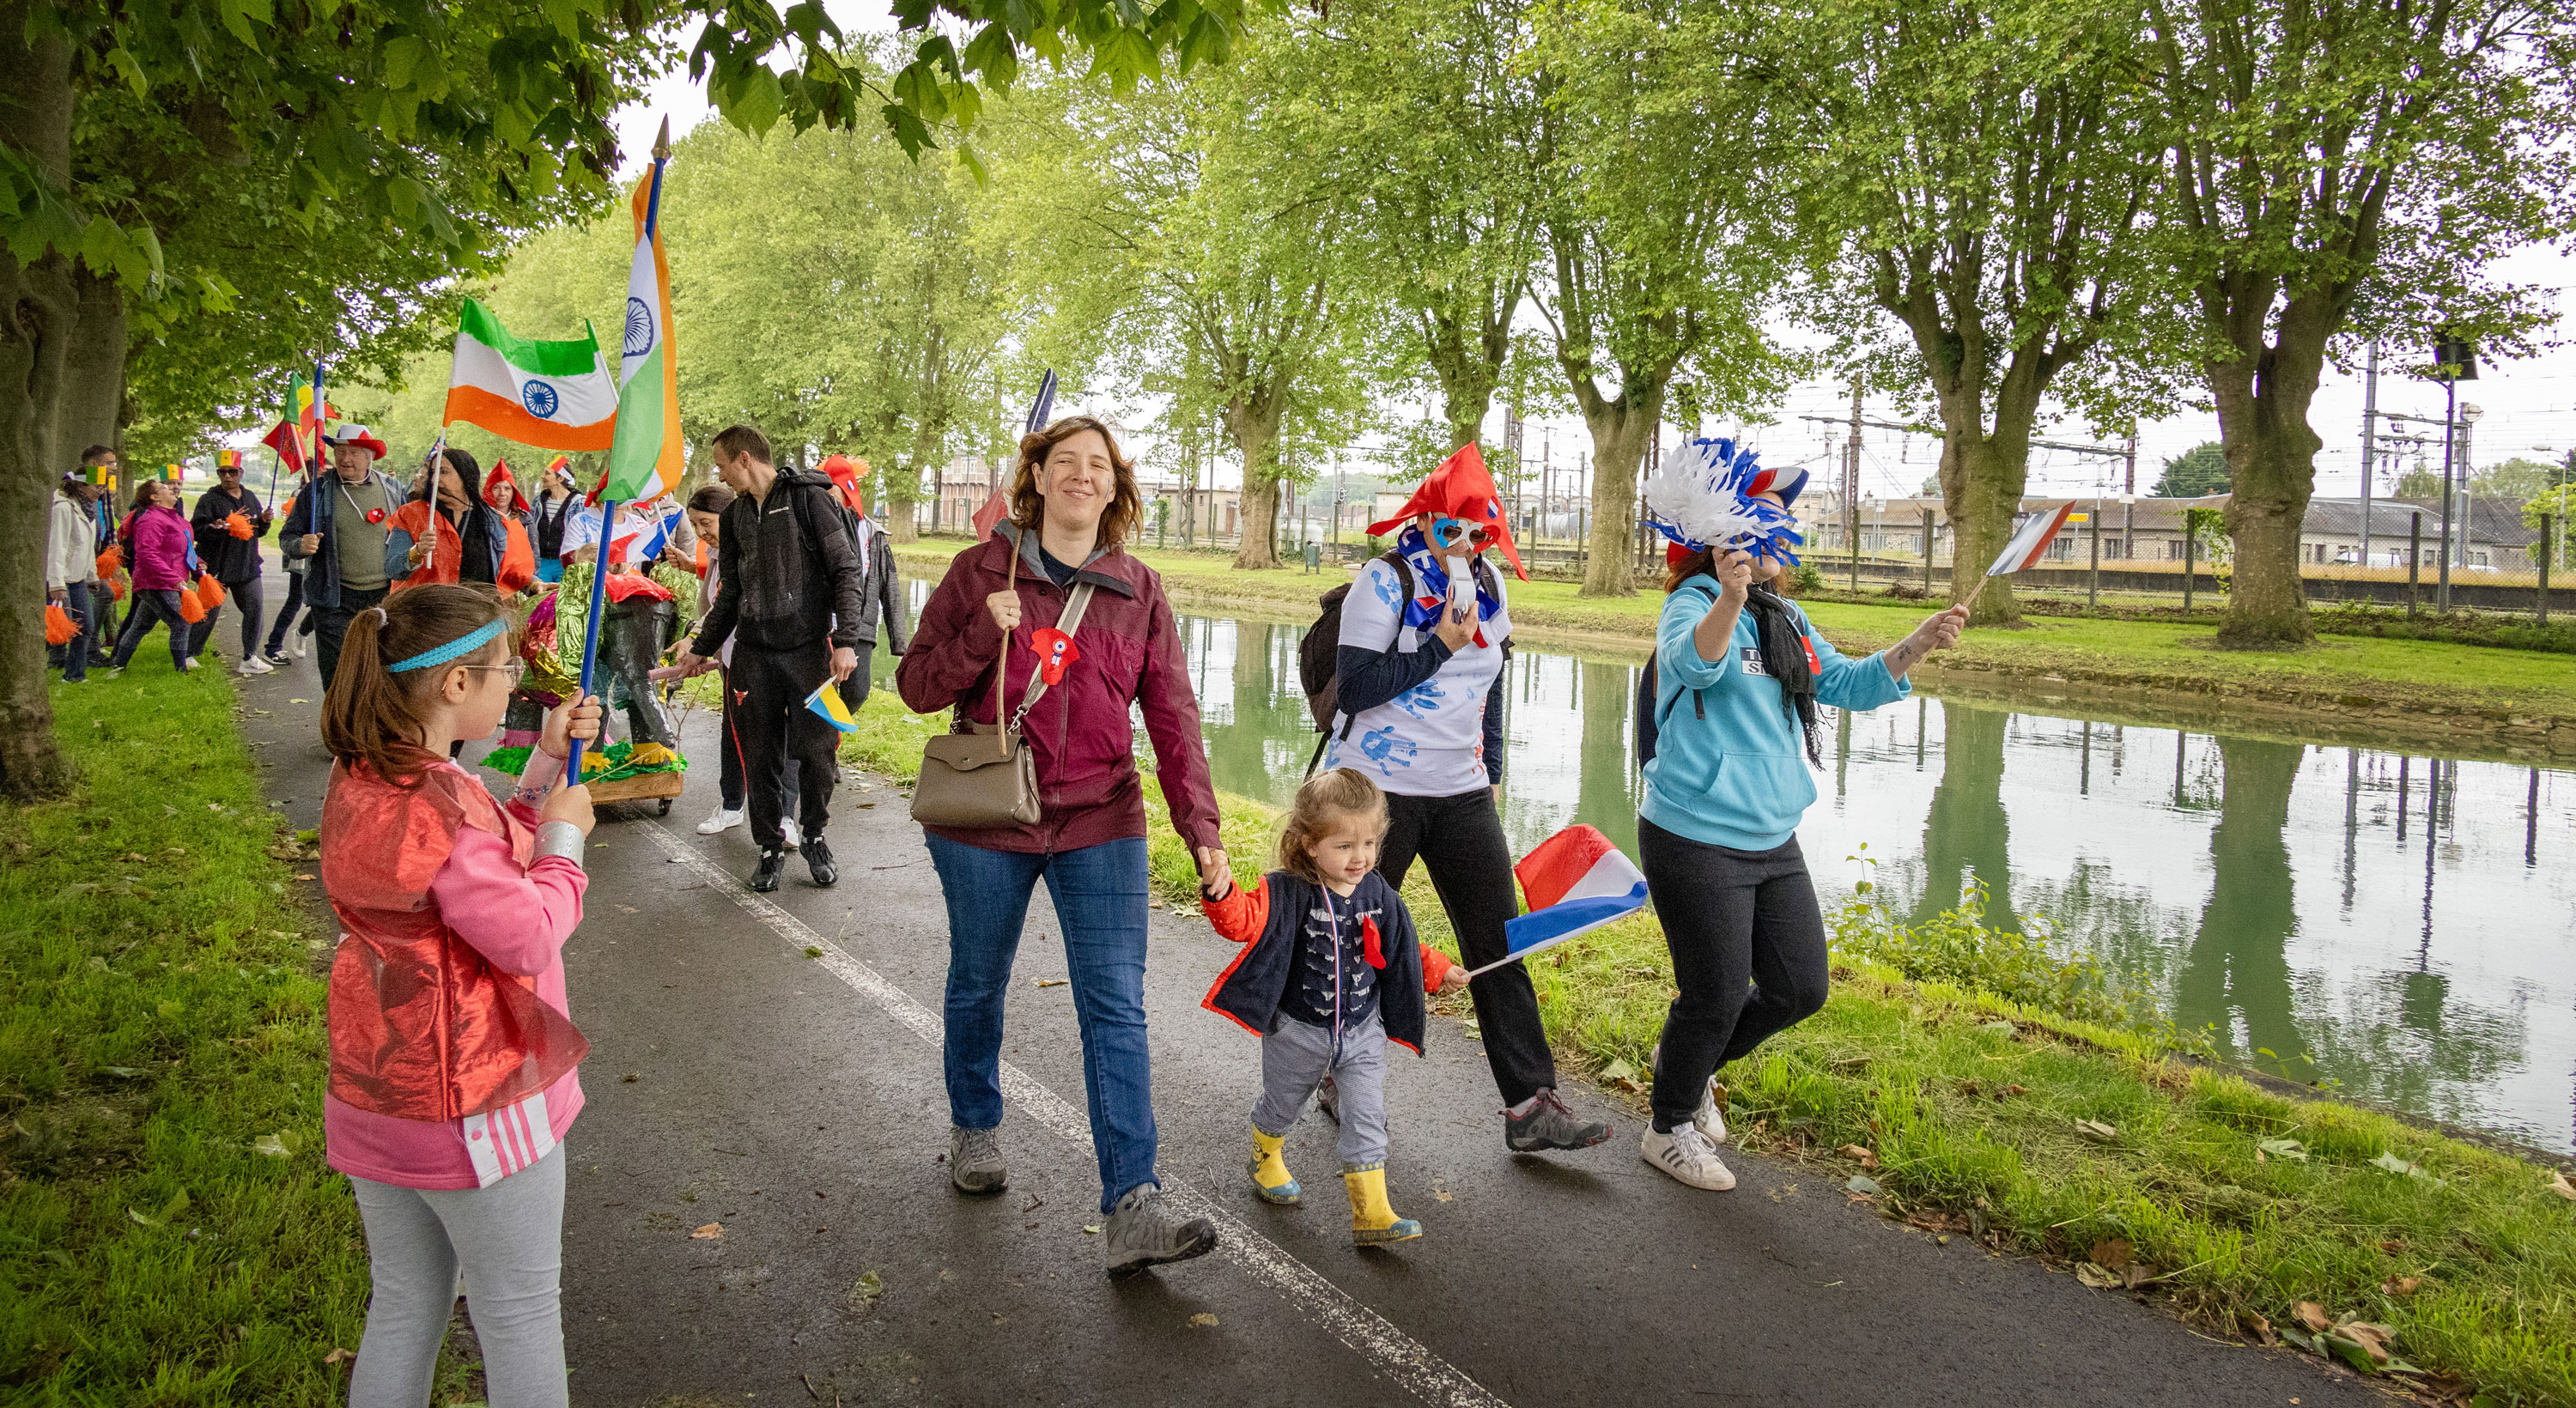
<point>71,575</point>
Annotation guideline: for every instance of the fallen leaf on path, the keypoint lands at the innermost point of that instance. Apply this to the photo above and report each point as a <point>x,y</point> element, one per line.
<point>2099,1278</point>
<point>813,952</point>
<point>2097,1131</point>
<point>2313,1316</point>
<point>339,1356</point>
<point>276,1146</point>
<point>307,876</point>
<point>713,1231</point>
<point>1091,1229</point>
<point>2114,1253</point>
<point>1443,1195</point>
<point>1203,1320</point>
<point>2559,1185</point>
<point>2290,1149</point>
<point>2401,1285</point>
<point>2394,1164</point>
<point>1053,982</point>
<point>2256,1326</point>
<point>1859,1155</point>
<point>2000,1028</point>
<point>299,701</point>
<point>865,1294</point>
<point>1863,1184</point>
<point>2016,1088</point>
<point>2137,1273</point>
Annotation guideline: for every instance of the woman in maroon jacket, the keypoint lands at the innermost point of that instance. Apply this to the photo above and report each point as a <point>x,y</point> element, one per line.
<point>1073,500</point>
<point>157,548</point>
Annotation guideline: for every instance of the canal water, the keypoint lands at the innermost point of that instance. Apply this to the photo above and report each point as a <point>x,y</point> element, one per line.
<point>2403,925</point>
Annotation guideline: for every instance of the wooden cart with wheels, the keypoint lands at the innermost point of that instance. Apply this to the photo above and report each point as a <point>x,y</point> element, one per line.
<point>657,787</point>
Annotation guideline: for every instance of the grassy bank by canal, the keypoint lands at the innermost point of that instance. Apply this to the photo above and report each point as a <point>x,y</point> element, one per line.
<point>1984,1089</point>
<point>2433,691</point>
<point>169,1231</point>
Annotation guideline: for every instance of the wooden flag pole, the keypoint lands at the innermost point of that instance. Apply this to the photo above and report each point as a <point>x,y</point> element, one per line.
<point>1971,603</point>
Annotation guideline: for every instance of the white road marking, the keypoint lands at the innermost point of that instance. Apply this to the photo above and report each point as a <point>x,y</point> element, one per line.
<point>1424,1374</point>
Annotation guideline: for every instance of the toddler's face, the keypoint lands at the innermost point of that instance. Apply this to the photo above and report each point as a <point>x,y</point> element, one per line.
<point>1348,852</point>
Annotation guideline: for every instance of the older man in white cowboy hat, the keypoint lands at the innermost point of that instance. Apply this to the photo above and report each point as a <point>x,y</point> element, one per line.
<point>339,523</point>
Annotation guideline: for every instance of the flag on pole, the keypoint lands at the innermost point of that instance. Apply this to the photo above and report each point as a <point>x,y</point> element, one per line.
<point>553,395</point>
<point>2029,540</point>
<point>1041,411</point>
<point>826,701</point>
<point>288,445</point>
<point>646,458</point>
<point>1575,882</point>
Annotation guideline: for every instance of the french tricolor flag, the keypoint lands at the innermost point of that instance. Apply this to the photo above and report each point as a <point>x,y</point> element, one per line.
<point>2030,540</point>
<point>1575,882</point>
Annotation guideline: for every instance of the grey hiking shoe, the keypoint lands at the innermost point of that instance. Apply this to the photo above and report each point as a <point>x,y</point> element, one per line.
<point>975,1161</point>
<point>1549,1125</point>
<point>1145,1231</point>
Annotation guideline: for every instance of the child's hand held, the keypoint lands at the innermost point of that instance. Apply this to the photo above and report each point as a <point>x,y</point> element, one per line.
<point>570,804</point>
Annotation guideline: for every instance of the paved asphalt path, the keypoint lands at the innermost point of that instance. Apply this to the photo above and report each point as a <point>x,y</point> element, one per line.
<point>797,1102</point>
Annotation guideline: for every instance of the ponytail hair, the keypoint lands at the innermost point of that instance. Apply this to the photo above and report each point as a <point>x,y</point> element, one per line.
<point>373,715</point>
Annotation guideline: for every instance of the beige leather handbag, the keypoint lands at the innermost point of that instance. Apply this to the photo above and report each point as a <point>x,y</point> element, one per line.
<point>983,775</point>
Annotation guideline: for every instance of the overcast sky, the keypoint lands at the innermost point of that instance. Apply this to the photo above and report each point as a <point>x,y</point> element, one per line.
<point>2529,407</point>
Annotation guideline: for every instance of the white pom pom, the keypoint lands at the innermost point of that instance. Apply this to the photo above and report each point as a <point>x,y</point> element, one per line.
<point>1699,495</point>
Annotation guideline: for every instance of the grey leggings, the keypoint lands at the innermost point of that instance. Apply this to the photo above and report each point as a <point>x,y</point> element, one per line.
<point>1296,1057</point>
<point>509,1238</point>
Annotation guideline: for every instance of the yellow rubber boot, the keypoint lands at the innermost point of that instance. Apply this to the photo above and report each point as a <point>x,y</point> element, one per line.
<point>1270,1177</point>
<point>1372,1221</point>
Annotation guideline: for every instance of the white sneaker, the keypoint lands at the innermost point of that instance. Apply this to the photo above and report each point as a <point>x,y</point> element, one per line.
<point>187,667</point>
<point>252,665</point>
<point>1707,1118</point>
<point>1687,1155</point>
<point>298,647</point>
<point>790,833</point>
<point>719,820</point>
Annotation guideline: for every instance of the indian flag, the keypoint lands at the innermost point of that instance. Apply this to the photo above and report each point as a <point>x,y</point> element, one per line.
<point>646,459</point>
<point>553,395</point>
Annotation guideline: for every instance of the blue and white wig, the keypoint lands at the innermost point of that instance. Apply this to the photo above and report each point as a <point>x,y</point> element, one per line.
<point>1703,498</point>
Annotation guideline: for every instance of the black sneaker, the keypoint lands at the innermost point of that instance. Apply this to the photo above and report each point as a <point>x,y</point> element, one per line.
<point>1549,1125</point>
<point>772,865</point>
<point>818,862</point>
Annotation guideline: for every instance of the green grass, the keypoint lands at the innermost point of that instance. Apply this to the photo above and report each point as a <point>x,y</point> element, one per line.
<point>2433,677</point>
<point>161,1018</point>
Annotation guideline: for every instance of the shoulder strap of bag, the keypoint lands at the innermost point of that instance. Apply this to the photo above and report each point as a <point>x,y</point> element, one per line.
<point>1069,622</point>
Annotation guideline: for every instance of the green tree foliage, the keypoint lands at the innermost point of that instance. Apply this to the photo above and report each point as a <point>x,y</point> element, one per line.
<point>2517,479</point>
<point>2333,171</point>
<point>2198,471</point>
<point>1423,111</point>
<point>1174,243</point>
<point>1970,178</point>
<point>1659,256</point>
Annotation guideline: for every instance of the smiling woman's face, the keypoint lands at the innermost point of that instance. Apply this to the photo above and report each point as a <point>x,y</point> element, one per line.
<point>1077,481</point>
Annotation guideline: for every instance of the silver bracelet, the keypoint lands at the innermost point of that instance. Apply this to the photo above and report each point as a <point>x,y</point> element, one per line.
<point>561,838</point>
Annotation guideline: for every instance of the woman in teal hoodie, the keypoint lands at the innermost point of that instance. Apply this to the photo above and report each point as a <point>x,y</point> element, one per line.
<point>1739,672</point>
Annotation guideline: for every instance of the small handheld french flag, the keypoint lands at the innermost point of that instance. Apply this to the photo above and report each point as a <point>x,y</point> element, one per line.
<point>1575,882</point>
<point>2029,540</point>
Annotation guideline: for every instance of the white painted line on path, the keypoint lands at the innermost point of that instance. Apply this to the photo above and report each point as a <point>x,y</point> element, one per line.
<point>1424,1374</point>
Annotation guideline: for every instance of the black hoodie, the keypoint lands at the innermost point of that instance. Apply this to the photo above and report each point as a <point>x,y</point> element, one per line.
<point>786,569</point>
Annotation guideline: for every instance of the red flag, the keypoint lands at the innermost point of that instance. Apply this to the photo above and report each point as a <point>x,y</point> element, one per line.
<point>990,514</point>
<point>288,445</point>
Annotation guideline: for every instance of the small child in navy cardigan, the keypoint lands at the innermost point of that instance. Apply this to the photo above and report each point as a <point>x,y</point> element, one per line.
<point>1330,973</point>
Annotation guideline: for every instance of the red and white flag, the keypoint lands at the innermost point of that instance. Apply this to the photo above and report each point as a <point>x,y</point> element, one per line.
<point>2030,540</point>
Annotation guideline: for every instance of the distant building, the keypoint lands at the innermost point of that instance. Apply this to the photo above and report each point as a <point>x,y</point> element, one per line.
<point>2152,529</point>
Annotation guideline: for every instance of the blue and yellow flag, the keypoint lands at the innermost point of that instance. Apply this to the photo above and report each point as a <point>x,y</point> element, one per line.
<point>826,701</point>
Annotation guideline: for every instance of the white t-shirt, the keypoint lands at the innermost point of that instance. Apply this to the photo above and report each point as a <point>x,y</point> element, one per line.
<point>1430,740</point>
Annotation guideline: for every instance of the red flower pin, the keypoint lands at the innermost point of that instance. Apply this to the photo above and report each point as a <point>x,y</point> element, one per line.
<point>375,515</point>
<point>1055,651</point>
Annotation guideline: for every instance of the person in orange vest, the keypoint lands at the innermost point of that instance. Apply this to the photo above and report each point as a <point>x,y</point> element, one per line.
<point>473,541</point>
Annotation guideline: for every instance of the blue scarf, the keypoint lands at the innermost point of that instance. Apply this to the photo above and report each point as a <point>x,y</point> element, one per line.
<point>1431,585</point>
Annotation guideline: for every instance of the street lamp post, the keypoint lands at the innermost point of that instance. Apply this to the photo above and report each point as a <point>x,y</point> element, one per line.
<point>2455,361</point>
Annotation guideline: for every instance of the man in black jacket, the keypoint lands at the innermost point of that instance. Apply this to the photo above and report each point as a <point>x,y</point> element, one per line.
<point>230,559</point>
<point>789,584</point>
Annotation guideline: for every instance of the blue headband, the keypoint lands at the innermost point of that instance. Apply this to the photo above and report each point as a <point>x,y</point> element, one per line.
<point>465,644</point>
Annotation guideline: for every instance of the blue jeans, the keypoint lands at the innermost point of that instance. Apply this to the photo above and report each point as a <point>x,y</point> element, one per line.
<point>1099,894</point>
<point>77,597</point>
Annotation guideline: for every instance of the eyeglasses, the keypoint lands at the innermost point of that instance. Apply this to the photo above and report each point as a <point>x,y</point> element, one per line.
<point>516,669</point>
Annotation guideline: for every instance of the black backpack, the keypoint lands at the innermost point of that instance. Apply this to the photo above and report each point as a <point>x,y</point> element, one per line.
<point>1319,651</point>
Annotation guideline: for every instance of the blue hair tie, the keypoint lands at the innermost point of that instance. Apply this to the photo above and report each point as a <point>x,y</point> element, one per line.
<point>465,644</point>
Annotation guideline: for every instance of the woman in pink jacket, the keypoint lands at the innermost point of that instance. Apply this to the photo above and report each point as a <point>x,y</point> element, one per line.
<point>159,549</point>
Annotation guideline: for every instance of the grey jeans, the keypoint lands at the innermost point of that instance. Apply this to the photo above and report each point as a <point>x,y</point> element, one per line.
<point>1295,1058</point>
<point>509,1239</point>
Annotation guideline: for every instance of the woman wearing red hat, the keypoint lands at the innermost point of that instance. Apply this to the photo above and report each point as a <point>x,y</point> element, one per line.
<point>1425,631</point>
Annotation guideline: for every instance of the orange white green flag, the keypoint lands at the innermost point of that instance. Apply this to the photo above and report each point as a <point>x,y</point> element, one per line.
<point>553,395</point>
<point>647,457</point>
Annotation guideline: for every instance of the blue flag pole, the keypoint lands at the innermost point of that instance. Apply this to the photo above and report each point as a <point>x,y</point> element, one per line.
<point>607,505</point>
<point>590,628</point>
